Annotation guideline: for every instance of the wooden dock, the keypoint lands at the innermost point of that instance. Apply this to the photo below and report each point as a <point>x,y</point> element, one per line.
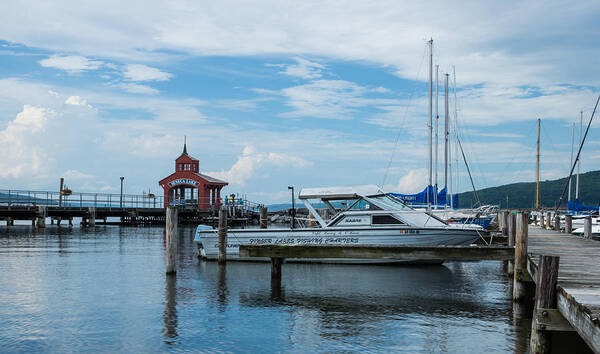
<point>578,288</point>
<point>569,301</point>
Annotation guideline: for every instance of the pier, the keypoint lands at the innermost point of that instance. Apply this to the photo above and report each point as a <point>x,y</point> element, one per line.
<point>129,209</point>
<point>561,267</point>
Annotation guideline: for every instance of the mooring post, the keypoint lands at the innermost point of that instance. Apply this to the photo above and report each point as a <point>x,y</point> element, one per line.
<point>222,257</point>
<point>41,217</point>
<point>545,300</point>
<point>557,222</point>
<point>512,233</point>
<point>568,223</point>
<point>92,216</point>
<point>505,215</point>
<point>171,240</point>
<point>276,269</point>
<point>520,267</point>
<point>587,227</point>
<point>542,224</point>
<point>499,220</point>
<point>548,220</point>
<point>263,218</point>
<point>535,219</point>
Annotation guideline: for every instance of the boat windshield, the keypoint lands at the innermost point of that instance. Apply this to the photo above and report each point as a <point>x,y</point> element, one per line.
<point>389,203</point>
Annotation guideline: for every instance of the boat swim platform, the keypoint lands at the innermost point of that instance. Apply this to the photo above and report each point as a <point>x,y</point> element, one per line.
<point>577,288</point>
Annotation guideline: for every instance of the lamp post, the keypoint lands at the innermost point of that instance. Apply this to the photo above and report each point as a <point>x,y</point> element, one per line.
<point>121,199</point>
<point>293,212</point>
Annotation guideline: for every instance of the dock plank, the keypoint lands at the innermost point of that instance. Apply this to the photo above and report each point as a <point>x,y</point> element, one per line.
<point>578,278</point>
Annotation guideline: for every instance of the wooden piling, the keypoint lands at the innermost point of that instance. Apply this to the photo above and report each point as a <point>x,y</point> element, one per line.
<point>276,269</point>
<point>40,221</point>
<point>263,218</point>
<point>557,222</point>
<point>568,223</point>
<point>171,240</point>
<point>545,301</point>
<point>549,220</point>
<point>520,266</point>
<point>499,220</point>
<point>222,256</point>
<point>512,231</point>
<point>535,219</point>
<point>505,215</point>
<point>587,227</point>
<point>92,216</point>
<point>542,224</point>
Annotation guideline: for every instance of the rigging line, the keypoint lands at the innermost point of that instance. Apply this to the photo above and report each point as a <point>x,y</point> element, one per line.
<point>410,97</point>
<point>460,133</point>
<point>469,171</point>
<point>578,153</point>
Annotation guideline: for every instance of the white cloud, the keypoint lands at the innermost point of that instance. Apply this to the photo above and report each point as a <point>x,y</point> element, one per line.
<point>333,99</point>
<point>76,175</point>
<point>140,72</point>
<point>21,155</point>
<point>413,181</point>
<point>73,64</point>
<point>252,160</point>
<point>303,68</point>
<point>76,101</point>
<point>136,88</point>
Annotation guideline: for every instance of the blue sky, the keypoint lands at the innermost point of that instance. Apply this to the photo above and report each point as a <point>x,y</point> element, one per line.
<point>305,94</point>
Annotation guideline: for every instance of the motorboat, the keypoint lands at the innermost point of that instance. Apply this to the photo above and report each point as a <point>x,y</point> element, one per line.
<point>362,215</point>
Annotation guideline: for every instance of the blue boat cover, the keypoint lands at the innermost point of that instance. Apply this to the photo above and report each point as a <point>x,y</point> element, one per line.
<point>420,199</point>
<point>577,206</point>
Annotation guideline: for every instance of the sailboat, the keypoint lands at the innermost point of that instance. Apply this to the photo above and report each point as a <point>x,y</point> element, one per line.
<point>443,203</point>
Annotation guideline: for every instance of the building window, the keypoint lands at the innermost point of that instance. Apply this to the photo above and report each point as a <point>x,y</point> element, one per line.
<point>187,167</point>
<point>179,167</point>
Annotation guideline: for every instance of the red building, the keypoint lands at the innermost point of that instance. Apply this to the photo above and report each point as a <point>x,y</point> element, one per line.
<point>188,187</point>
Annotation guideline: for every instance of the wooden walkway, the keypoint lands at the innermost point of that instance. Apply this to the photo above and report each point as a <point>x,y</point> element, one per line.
<point>578,290</point>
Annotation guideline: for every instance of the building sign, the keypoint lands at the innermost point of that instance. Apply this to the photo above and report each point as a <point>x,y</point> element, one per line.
<point>183,181</point>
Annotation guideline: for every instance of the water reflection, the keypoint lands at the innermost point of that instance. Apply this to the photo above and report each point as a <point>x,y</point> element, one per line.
<point>170,312</point>
<point>222,291</point>
<point>105,290</point>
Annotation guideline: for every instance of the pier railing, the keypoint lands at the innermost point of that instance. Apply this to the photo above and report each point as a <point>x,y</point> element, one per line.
<point>13,197</point>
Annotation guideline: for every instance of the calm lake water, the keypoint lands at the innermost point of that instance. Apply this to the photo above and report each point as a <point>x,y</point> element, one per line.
<point>104,290</point>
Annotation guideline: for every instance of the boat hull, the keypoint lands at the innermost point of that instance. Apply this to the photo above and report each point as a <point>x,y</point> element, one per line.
<point>207,241</point>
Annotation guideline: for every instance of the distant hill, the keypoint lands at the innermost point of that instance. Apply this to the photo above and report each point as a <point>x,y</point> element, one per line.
<point>522,195</point>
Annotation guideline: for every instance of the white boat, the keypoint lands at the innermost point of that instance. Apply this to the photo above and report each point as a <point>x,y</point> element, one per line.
<point>370,217</point>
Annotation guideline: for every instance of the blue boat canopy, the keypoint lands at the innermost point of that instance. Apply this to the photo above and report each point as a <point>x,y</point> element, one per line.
<point>577,206</point>
<point>420,199</point>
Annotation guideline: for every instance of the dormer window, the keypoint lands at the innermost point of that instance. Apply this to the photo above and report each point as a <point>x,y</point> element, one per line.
<point>186,167</point>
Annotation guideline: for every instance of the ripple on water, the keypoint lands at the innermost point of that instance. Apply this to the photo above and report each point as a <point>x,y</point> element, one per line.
<point>105,290</point>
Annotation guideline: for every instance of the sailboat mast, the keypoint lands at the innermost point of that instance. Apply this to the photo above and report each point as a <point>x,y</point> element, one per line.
<point>446,132</point>
<point>437,118</point>
<point>430,127</point>
<point>579,160</point>
<point>455,190</point>
<point>537,183</point>
<point>572,143</point>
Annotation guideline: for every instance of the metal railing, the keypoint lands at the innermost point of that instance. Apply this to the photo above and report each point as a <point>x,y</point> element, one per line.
<point>13,197</point>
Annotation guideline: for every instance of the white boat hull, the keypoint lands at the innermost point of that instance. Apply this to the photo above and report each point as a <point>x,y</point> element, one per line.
<point>207,240</point>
